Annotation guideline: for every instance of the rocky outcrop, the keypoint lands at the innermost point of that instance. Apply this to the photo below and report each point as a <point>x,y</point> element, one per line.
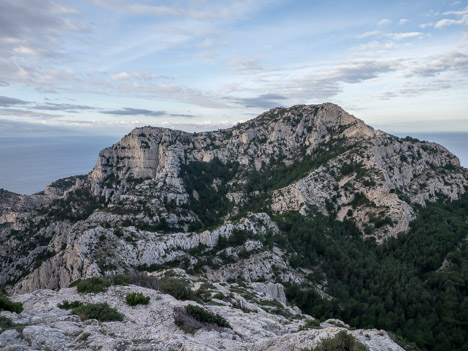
<point>47,327</point>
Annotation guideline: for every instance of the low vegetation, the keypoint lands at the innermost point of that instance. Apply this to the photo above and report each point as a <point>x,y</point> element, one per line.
<point>100,311</point>
<point>340,342</point>
<point>192,318</point>
<point>138,298</point>
<point>6,323</point>
<point>100,284</point>
<point>7,305</point>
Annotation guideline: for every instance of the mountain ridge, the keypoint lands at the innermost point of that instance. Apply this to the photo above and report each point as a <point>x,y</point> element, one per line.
<point>245,204</point>
<point>342,165</point>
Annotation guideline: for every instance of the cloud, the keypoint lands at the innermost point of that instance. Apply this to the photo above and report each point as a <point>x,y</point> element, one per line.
<point>374,45</point>
<point>394,36</point>
<point>10,112</point>
<point>411,90</point>
<point>425,25</point>
<point>8,101</point>
<point>328,83</point>
<point>183,115</point>
<point>128,111</point>
<point>210,43</point>
<point>463,14</point>
<point>384,22</point>
<point>264,101</point>
<point>189,10</point>
<point>403,21</point>
<point>33,27</point>
<point>458,13</point>
<point>62,107</point>
<point>245,64</point>
<point>450,22</point>
<point>369,34</point>
<point>207,54</point>
<point>135,75</point>
<point>452,61</point>
<point>400,36</point>
<point>357,71</point>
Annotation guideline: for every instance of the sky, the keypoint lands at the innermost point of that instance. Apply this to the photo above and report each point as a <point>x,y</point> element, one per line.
<point>104,67</point>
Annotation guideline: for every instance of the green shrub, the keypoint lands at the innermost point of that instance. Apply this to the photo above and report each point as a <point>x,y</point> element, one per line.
<point>92,285</point>
<point>100,311</point>
<point>204,316</point>
<point>191,318</point>
<point>7,305</point>
<point>120,279</point>
<point>178,288</point>
<point>340,342</point>
<point>134,299</point>
<point>6,323</point>
<point>66,305</point>
<point>100,284</point>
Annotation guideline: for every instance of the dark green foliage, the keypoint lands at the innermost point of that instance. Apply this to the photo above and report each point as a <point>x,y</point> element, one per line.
<point>7,305</point>
<point>351,167</point>
<point>398,286</point>
<point>78,205</point>
<point>134,299</point>
<point>92,285</point>
<point>178,288</point>
<point>212,203</point>
<point>278,175</point>
<point>100,311</point>
<point>340,342</point>
<point>67,305</point>
<point>204,316</point>
<point>237,238</point>
<point>411,139</point>
<point>120,279</point>
<point>100,284</point>
<point>6,323</point>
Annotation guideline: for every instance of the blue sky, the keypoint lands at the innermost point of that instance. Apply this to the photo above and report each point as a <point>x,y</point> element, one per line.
<point>107,66</point>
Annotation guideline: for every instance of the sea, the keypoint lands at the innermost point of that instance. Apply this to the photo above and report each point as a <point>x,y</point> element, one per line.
<point>28,165</point>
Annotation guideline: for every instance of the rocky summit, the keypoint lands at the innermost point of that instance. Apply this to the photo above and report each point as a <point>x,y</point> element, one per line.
<point>211,210</point>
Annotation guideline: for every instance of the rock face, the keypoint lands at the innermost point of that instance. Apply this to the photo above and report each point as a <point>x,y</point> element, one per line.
<point>206,202</point>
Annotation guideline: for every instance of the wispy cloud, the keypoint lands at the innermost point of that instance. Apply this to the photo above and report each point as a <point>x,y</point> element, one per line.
<point>136,75</point>
<point>432,65</point>
<point>11,112</point>
<point>128,111</point>
<point>384,22</point>
<point>246,64</point>
<point>6,101</point>
<point>446,22</point>
<point>410,90</point>
<point>401,36</point>
<point>264,101</point>
<point>62,107</point>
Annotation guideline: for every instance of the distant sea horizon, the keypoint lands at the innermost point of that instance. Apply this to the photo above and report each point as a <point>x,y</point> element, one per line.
<point>28,165</point>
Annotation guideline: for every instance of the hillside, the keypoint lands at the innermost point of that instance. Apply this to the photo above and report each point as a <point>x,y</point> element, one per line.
<point>308,197</point>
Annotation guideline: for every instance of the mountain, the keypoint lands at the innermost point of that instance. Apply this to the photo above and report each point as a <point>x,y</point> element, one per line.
<point>262,202</point>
